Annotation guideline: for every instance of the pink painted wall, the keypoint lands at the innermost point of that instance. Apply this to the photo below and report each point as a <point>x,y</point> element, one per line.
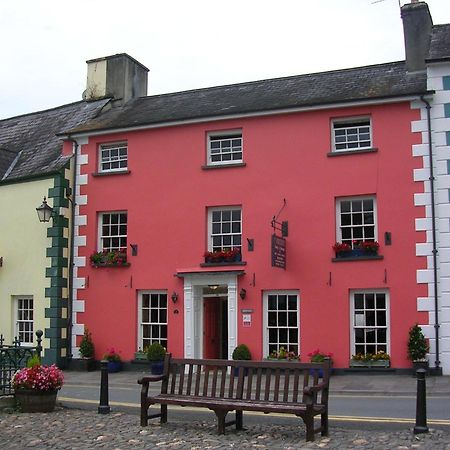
<point>167,195</point>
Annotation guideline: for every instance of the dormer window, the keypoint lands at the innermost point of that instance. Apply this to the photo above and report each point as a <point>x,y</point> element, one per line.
<point>113,157</point>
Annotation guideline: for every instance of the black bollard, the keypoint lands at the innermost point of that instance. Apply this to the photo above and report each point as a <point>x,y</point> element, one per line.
<point>421,405</point>
<point>104,408</point>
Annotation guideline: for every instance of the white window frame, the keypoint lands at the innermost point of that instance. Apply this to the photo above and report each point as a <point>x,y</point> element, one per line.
<point>21,322</point>
<point>347,124</point>
<point>121,160</point>
<point>353,325</point>
<point>211,232</point>
<point>266,327</point>
<point>365,236</point>
<point>220,138</point>
<point>101,237</point>
<point>159,323</point>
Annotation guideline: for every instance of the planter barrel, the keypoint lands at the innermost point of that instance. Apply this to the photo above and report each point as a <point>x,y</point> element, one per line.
<point>31,400</point>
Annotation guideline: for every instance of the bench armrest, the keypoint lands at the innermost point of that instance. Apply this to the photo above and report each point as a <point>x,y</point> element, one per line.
<point>150,379</point>
<point>310,390</point>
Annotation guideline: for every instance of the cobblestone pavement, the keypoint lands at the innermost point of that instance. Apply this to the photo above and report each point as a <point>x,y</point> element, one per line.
<point>81,429</point>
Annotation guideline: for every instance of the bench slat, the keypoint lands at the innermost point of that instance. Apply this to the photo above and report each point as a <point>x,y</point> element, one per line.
<point>189,385</point>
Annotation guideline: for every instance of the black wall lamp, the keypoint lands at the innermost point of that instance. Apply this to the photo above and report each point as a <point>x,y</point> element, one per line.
<point>242,293</point>
<point>174,297</point>
<point>45,212</point>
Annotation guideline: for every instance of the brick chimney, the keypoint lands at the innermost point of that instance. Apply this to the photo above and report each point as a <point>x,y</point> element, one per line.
<point>119,76</point>
<point>417,24</point>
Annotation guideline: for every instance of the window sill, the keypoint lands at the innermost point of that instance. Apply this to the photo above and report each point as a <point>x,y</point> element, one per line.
<point>117,172</point>
<point>101,266</point>
<point>352,152</point>
<point>223,166</point>
<point>357,258</point>
<point>224,263</point>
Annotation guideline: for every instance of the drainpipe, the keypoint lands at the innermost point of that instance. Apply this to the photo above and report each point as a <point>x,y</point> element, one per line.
<point>433,227</point>
<point>72,248</point>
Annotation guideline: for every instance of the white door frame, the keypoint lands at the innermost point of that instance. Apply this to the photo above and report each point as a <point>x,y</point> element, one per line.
<point>193,310</point>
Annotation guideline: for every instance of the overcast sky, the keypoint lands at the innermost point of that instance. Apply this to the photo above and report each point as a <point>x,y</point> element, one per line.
<point>189,44</point>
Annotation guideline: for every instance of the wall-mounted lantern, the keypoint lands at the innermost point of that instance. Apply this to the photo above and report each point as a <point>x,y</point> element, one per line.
<point>242,293</point>
<point>174,297</point>
<point>44,212</point>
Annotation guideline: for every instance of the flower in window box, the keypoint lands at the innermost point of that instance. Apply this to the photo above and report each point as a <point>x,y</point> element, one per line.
<point>219,256</point>
<point>342,249</point>
<point>109,258</point>
<point>369,247</point>
<point>283,354</point>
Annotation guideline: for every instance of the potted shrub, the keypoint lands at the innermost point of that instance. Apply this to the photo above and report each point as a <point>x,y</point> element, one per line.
<point>156,354</point>
<point>417,348</point>
<point>86,349</point>
<point>114,360</point>
<point>36,386</point>
<point>241,353</point>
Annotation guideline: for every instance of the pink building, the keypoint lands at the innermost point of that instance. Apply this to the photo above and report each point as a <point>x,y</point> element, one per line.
<point>314,160</point>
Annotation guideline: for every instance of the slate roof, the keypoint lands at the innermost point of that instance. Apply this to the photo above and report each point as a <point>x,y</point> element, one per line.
<point>338,86</point>
<point>439,43</point>
<point>29,144</point>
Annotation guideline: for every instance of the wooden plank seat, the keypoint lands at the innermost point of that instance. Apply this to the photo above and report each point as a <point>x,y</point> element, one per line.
<point>223,386</point>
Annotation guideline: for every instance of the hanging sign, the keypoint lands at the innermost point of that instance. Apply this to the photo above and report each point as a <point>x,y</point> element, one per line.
<point>278,252</point>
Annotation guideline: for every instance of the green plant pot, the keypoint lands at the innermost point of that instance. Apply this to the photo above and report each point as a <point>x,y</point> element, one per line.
<point>371,364</point>
<point>140,356</point>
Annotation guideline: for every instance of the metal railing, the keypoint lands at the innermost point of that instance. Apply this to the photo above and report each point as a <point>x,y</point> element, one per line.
<point>14,357</point>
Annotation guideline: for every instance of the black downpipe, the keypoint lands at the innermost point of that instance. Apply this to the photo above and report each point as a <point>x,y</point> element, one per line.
<point>72,247</point>
<point>433,225</point>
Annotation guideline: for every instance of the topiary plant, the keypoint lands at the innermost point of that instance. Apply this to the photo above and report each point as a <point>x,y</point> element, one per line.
<point>87,345</point>
<point>417,344</point>
<point>156,352</point>
<point>241,352</point>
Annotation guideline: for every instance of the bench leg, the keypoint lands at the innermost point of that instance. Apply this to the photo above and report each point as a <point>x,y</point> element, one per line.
<point>324,424</point>
<point>309,423</point>
<point>221,414</point>
<point>163,414</point>
<point>239,417</point>
<point>144,415</point>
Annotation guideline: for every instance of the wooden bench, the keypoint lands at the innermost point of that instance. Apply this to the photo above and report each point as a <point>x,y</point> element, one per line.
<point>265,386</point>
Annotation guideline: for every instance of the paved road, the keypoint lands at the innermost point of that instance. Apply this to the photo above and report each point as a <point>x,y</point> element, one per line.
<point>75,428</point>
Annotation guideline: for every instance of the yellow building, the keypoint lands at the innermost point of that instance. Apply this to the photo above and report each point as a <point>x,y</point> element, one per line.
<point>35,284</point>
